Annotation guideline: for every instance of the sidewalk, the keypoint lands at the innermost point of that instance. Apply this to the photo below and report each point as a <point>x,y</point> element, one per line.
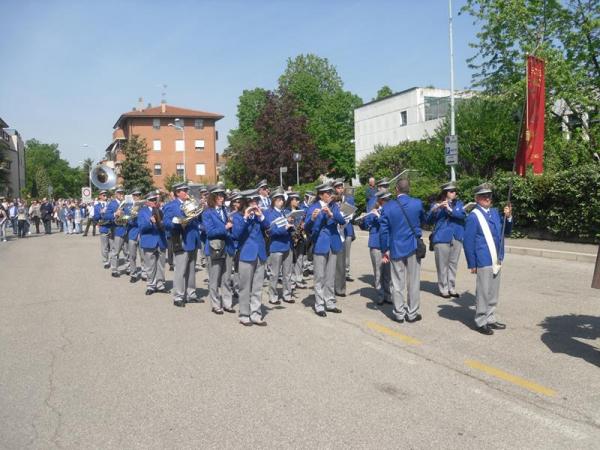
<point>537,247</point>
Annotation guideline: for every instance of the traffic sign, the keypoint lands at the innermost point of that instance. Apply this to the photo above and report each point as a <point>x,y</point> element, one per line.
<point>283,169</point>
<point>86,194</point>
<point>451,150</point>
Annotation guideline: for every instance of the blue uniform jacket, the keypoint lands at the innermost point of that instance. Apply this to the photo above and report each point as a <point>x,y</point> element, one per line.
<point>395,233</point>
<point>447,225</point>
<point>132,226</point>
<point>371,224</point>
<point>215,229</point>
<point>98,216</point>
<point>109,216</point>
<point>190,236</point>
<point>349,228</point>
<point>280,236</point>
<point>324,230</point>
<point>474,244</point>
<point>371,203</point>
<point>150,235</point>
<point>249,234</point>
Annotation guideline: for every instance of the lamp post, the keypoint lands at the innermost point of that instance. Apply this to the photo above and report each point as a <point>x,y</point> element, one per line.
<point>179,125</point>
<point>452,125</point>
<point>297,157</point>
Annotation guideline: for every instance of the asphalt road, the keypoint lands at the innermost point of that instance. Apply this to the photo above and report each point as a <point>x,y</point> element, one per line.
<point>91,362</point>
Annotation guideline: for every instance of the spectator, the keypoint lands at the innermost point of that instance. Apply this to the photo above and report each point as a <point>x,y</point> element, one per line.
<point>46,213</point>
<point>12,216</point>
<point>78,214</point>
<point>63,217</point>
<point>35,214</point>
<point>90,220</point>
<point>371,190</point>
<point>22,216</point>
<point>3,218</point>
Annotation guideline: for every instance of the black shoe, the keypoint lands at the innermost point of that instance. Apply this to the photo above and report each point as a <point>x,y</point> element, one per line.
<point>340,295</point>
<point>335,310</point>
<point>218,312</point>
<point>349,278</point>
<point>229,310</point>
<point>277,302</point>
<point>246,323</point>
<point>497,326</point>
<point>179,303</point>
<point>127,272</point>
<point>163,291</point>
<point>485,330</point>
<point>115,274</point>
<point>260,323</point>
<point>321,313</point>
<point>445,295</point>
<point>106,266</point>
<point>416,319</point>
<point>454,294</point>
<point>291,300</point>
<point>133,280</point>
<point>193,300</point>
<point>395,319</point>
<point>149,291</point>
<point>171,268</point>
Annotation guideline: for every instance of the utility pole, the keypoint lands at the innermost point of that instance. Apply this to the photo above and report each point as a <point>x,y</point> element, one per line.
<point>452,123</point>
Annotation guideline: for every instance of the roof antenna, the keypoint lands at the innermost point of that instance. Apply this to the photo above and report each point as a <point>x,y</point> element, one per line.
<point>163,94</point>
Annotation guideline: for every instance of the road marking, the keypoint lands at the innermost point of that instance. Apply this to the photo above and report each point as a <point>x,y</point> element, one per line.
<point>514,379</point>
<point>393,333</point>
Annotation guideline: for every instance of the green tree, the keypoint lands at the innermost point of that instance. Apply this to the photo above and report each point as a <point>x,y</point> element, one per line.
<point>566,34</point>
<point>384,92</point>
<point>318,90</point>
<point>42,183</point>
<point>171,180</point>
<point>86,167</point>
<point>134,168</point>
<point>65,180</point>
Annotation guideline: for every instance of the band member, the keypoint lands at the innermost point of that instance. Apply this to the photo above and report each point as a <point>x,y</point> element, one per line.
<point>401,221</point>
<point>322,221</point>
<point>235,206</point>
<point>104,229</point>
<point>153,243</point>
<point>186,240</point>
<point>298,241</point>
<point>280,255</point>
<point>263,193</point>
<point>114,210</point>
<point>381,272</point>
<point>342,269</point>
<point>484,251</point>
<point>248,227</point>
<point>448,219</point>
<point>203,192</point>
<point>133,232</point>
<point>220,251</point>
<point>383,185</point>
<point>309,198</point>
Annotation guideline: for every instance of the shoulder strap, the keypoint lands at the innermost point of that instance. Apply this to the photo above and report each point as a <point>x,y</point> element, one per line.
<point>406,217</point>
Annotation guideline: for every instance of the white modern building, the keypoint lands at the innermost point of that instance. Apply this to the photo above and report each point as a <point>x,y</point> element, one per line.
<point>410,115</point>
<point>15,160</point>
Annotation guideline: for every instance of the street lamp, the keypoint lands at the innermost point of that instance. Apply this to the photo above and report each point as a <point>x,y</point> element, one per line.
<point>179,125</point>
<point>297,157</point>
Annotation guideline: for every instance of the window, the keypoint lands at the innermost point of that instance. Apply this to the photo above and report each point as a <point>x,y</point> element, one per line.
<point>157,169</point>
<point>216,135</point>
<point>156,145</point>
<point>179,145</point>
<point>200,169</point>
<point>403,118</point>
<point>180,170</point>
<point>199,124</point>
<point>199,144</point>
<point>436,107</point>
<point>156,124</point>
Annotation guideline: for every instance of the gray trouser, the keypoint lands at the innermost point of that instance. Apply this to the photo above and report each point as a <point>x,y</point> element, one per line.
<point>133,251</point>
<point>283,262</point>
<point>348,246</point>
<point>340,271</point>
<point>251,280</point>
<point>381,273</point>
<point>154,262</point>
<point>184,279</point>
<point>324,279</point>
<point>446,262</point>
<point>298,269</point>
<point>219,276</point>
<point>406,272</point>
<point>105,244</point>
<point>486,296</point>
<point>114,253</point>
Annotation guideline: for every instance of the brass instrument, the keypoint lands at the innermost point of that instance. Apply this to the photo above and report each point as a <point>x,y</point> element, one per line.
<point>158,217</point>
<point>103,177</point>
<point>191,209</point>
<point>133,212</point>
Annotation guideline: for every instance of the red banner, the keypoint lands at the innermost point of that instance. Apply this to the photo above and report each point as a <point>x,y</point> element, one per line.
<point>531,144</point>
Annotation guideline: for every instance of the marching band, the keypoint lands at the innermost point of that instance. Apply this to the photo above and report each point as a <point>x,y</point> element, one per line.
<point>252,237</point>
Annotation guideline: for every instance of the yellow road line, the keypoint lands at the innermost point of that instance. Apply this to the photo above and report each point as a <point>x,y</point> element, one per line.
<point>514,379</point>
<point>393,333</point>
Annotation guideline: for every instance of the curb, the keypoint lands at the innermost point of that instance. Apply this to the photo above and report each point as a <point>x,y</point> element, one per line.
<point>552,254</point>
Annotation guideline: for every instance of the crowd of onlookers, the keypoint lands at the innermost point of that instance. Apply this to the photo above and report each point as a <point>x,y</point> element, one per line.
<point>68,216</point>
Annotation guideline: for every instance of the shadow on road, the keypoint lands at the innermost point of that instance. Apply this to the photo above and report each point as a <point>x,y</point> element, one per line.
<point>562,333</point>
<point>460,309</point>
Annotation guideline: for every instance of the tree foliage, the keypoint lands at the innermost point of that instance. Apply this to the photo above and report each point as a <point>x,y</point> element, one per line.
<point>3,166</point>
<point>42,183</point>
<point>134,168</point>
<point>171,180</point>
<point>65,180</point>
<point>384,92</point>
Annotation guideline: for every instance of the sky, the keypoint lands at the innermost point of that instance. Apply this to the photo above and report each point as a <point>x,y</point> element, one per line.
<point>71,68</point>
